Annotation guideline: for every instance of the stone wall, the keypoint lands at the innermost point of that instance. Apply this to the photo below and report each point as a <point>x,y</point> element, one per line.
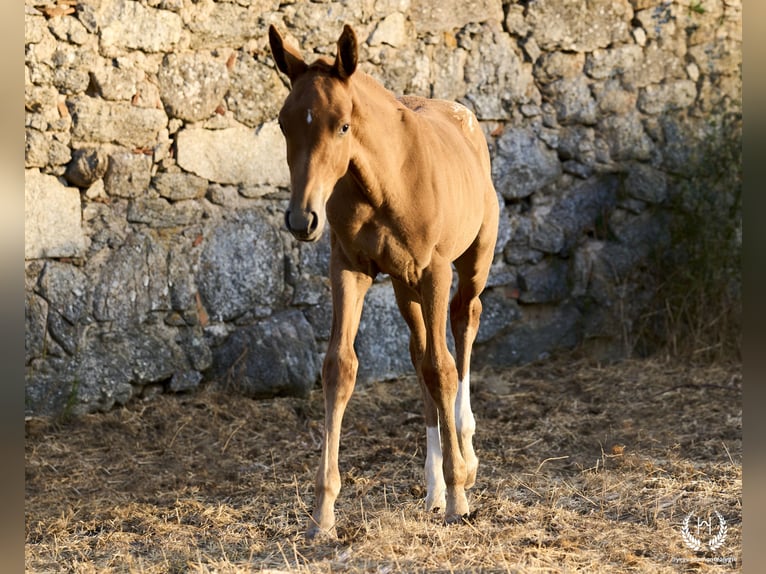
<point>156,179</point>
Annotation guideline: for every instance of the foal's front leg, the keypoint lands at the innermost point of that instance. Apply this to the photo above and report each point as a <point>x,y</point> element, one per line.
<point>338,379</point>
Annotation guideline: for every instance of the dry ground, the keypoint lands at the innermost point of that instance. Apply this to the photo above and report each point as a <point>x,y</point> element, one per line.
<point>583,468</point>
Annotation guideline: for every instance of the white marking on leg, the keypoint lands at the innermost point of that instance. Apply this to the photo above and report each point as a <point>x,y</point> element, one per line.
<point>436,487</point>
<point>465,424</point>
<point>309,118</point>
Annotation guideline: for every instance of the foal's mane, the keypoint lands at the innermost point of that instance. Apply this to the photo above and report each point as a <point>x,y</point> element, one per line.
<point>326,67</point>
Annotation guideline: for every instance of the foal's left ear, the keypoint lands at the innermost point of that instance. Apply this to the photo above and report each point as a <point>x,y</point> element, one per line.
<point>346,58</point>
<point>287,58</point>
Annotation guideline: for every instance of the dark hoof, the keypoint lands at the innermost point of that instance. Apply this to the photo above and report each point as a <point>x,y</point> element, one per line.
<point>462,518</point>
<point>316,534</point>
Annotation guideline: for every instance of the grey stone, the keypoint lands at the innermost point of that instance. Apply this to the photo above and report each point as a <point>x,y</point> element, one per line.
<point>241,266</point>
<point>35,325</point>
<point>558,228</point>
<point>116,364</point>
<point>606,63</point>
<point>391,30</point>
<point>128,174</point>
<point>229,25</point>
<point>185,381</point>
<point>613,99</point>
<point>546,282</point>
<point>453,14</point>
<point>249,81</point>
<point>559,65</point>
<point>192,85</point>
<point>382,345</point>
<point>314,258</point>
<point>543,330</point>
<point>65,288</point>
<point>656,99</point>
<point>50,387</point>
<point>159,213</point>
<point>302,19</point>
<point>37,147</point>
<point>194,343</point>
<point>573,101</point>
<point>96,120</point>
<point>134,26</point>
<point>132,281</point>
<point>577,27</point>
<point>523,164</point>
<point>181,256</point>
<point>87,165</point>
<point>646,183</point>
<point>500,310</point>
<point>274,357</point>
<point>495,73</point>
<point>235,155</point>
<point>116,80</point>
<point>52,218</point>
<point>625,137</point>
<point>177,186</point>
<point>68,30</point>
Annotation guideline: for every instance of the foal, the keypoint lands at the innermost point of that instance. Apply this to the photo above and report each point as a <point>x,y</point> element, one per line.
<point>405,186</point>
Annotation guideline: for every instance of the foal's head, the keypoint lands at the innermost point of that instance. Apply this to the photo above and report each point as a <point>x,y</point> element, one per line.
<point>316,122</point>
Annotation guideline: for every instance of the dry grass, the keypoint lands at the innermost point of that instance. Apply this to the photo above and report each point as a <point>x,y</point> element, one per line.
<point>583,468</point>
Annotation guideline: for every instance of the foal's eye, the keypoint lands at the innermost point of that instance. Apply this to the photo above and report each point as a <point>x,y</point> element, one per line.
<point>344,129</point>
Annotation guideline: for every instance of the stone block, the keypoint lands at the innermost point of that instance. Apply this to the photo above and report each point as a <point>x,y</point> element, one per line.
<point>177,186</point>
<point>577,26</point>
<point>192,85</point>
<point>659,98</point>
<point>130,25</point>
<point>276,356</point>
<point>52,218</point>
<point>241,267</point>
<point>523,164</point>
<point>249,81</point>
<point>128,174</point>
<point>542,330</point>
<point>98,121</point>
<point>391,30</point>
<point>235,155</point>
<point>382,344</point>
<point>87,166</point>
<point>434,17</point>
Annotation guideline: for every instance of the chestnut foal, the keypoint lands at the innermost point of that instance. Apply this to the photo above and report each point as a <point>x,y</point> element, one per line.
<point>405,186</point>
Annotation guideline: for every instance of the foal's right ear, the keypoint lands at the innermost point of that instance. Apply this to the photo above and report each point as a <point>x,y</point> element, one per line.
<point>287,58</point>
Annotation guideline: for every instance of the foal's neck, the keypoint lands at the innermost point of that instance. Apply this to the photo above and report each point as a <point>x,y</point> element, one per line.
<point>380,137</point>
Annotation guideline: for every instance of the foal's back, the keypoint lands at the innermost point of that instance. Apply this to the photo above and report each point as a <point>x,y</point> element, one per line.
<point>454,153</point>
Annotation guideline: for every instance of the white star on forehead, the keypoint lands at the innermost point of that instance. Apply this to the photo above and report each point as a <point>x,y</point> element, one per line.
<point>309,118</point>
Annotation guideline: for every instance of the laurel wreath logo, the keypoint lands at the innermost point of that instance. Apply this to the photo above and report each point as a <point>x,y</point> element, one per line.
<point>714,543</point>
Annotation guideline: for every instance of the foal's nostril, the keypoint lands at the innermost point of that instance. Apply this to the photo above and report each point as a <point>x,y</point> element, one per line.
<point>313,222</point>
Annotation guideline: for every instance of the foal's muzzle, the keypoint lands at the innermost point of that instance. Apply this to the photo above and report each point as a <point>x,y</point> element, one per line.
<point>303,225</point>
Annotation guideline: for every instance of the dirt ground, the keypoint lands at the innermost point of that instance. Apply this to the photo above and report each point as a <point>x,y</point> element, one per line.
<point>583,468</point>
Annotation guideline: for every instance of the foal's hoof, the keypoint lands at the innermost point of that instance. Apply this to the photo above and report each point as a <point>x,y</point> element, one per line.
<point>466,518</point>
<point>316,534</point>
<point>457,519</point>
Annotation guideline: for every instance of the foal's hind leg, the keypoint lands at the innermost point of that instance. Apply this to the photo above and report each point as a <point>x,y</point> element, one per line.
<point>412,313</point>
<point>440,378</point>
<point>465,311</point>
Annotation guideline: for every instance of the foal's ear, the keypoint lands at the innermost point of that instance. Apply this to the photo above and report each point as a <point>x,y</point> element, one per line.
<point>345,60</point>
<point>287,58</point>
